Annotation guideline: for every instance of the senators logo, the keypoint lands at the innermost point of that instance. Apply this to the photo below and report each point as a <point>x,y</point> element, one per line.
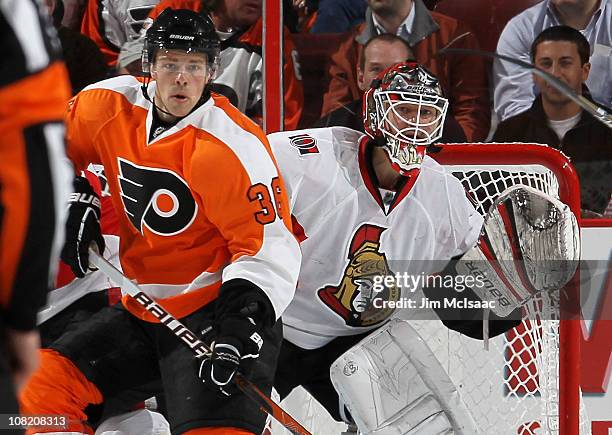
<point>353,299</point>
<point>156,198</point>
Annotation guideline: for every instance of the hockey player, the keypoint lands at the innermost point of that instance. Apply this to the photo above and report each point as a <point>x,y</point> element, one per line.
<point>366,207</point>
<point>203,229</point>
<point>360,203</point>
<point>112,23</point>
<point>34,181</point>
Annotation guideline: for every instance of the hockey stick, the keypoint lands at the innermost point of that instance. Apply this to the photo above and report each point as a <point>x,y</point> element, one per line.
<point>199,349</point>
<point>598,112</point>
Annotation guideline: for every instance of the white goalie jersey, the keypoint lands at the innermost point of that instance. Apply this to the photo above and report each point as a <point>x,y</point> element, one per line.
<point>351,231</point>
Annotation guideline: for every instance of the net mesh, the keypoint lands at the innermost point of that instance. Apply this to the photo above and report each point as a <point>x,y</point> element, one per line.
<point>513,386</point>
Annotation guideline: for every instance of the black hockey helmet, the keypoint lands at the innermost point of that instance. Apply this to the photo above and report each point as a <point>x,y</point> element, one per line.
<point>181,29</point>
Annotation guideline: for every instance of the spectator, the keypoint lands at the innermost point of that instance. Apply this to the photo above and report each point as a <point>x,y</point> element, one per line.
<point>335,16</point>
<point>82,56</point>
<point>379,53</point>
<point>514,87</point>
<point>557,121</point>
<point>240,70</point>
<point>463,78</point>
<point>112,23</point>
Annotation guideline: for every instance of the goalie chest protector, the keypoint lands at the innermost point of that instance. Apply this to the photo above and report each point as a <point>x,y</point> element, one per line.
<point>349,236</point>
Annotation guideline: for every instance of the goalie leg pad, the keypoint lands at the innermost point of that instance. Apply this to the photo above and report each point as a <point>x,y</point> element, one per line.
<point>530,243</point>
<point>393,384</point>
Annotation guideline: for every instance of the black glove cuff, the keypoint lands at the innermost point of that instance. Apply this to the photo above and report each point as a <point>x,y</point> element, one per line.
<point>242,297</point>
<point>85,195</point>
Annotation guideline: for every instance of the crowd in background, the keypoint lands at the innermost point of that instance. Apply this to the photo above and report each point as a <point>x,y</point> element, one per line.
<point>323,59</point>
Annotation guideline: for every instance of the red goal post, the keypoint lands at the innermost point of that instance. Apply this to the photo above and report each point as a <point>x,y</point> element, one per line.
<point>521,155</point>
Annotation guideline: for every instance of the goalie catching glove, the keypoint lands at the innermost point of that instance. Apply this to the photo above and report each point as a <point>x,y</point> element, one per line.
<point>82,227</point>
<point>530,243</point>
<point>242,312</point>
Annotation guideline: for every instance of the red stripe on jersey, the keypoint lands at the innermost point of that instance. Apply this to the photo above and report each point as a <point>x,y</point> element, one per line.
<point>298,230</point>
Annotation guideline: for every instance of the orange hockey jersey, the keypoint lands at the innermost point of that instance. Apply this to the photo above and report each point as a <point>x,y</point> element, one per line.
<point>200,204</point>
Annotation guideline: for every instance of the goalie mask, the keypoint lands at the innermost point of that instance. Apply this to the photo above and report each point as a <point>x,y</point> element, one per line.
<point>404,110</point>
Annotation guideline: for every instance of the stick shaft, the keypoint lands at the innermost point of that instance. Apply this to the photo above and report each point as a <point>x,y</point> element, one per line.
<point>198,347</point>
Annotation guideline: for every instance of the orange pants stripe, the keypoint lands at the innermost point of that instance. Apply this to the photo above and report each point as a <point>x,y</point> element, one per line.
<point>58,387</point>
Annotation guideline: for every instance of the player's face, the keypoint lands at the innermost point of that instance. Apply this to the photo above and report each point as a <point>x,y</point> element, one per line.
<point>378,56</point>
<point>411,120</point>
<point>561,59</point>
<point>242,13</point>
<point>180,78</point>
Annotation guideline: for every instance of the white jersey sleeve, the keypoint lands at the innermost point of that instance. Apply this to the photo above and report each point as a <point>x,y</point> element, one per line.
<point>308,163</point>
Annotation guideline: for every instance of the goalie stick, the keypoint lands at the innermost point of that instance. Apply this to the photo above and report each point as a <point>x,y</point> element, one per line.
<point>598,112</point>
<point>199,349</point>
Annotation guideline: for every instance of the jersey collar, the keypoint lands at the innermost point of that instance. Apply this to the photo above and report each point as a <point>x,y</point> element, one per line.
<point>370,180</point>
<point>180,124</point>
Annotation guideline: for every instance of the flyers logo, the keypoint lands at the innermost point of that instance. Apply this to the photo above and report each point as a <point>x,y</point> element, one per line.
<point>155,198</point>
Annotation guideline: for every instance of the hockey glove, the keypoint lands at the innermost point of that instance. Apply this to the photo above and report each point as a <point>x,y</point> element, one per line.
<point>530,243</point>
<point>82,227</point>
<point>240,318</point>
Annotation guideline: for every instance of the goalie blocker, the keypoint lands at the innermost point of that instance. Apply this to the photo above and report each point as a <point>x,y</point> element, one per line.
<point>529,244</point>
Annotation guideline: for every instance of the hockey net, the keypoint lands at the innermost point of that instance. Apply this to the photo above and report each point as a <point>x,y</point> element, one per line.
<point>527,381</point>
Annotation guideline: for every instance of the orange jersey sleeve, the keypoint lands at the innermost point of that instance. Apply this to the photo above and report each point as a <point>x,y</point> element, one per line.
<point>87,115</point>
<point>238,182</point>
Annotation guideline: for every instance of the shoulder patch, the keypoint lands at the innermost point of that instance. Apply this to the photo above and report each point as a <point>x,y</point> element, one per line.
<point>305,143</point>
